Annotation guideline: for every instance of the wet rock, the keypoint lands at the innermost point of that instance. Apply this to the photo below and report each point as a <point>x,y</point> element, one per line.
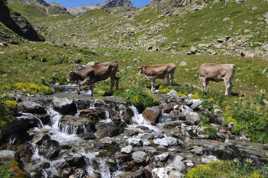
<point>24,154</point>
<point>166,141</point>
<point>209,158</point>
<point>96,113</point>
<point>110,129</point>
<point>78,162</point>
<point>17,131</point>
<point>151,114</point>
<point>192,118</point>
<point>135,141</point>
<point>7,155</point>
<point>127,149</point>
<point>162,157</point>
<point>78,125</point>
<point>139,156</point>
<point>48,148</point>
<point>64,106</point>
<point>31,107</point>
<point>197,150</point>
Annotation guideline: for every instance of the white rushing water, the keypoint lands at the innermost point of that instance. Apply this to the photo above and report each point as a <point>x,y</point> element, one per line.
<point>29,115</point>
<point>104,169</point>
<point>140,121</point>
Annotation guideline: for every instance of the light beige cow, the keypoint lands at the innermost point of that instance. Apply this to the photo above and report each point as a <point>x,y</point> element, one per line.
<point>92,74</point>
<point>217,73</point>
<point>159,71</point>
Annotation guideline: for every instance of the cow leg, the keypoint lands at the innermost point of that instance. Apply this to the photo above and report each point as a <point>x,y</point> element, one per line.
<point>112,84</point>
<point>91,87</point>
<point>78,88</point>
<point>167,79</point>
<point>228,87</point>
<point>153,85</point>
<point>204,83</point>
<point>171,75</point>
<point>116,83</point>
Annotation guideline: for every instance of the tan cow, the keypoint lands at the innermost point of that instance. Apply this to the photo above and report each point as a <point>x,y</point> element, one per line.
<point>217,73</point>
<point>159,71</point>
<point>92,74</point>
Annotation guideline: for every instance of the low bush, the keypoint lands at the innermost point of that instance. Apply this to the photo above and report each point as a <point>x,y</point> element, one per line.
<point>226,169</point>
<point>32,88</point>
<point>141,98</point>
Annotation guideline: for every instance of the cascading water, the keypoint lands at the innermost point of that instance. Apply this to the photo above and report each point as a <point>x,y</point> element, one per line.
<point>29,115</point>
<point>104,169</point>
<point>140,121</point>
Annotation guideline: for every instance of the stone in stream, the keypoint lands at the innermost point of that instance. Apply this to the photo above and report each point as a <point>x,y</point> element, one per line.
<point>64,106</point>
<point>31,107</point>
<point>151,114</point>
<point>82,126</point>
<point>127,149</point>
<point>48,148</point>
<point>162,157</point>
<point>109,129</point>
<point>139,156</point>
<point>166,141</point>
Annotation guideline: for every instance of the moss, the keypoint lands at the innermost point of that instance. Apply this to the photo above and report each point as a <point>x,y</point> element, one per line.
<point>225,169</point>
<point>11,104</point>
<point>33,88</point>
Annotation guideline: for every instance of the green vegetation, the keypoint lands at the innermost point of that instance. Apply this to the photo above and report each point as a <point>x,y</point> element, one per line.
<point>226,169</point>
<point>139,97</point>
<point>11,170</point>
<point>40,64</point>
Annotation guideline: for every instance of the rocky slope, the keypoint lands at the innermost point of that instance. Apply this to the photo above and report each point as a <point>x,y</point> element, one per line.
<point>226,30</point>
<point>43,6</point>
<point>18,24</point>
<point>66,135</point>
<point>118,3</point>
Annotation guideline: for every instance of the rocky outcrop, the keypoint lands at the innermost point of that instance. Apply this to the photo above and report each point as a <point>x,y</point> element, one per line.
<point>118,3</point>
<point>104,138</point>
<point>18,23</point>
<point>49,8</point>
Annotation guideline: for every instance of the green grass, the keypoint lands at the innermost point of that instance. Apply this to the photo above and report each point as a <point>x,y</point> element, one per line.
<point>41,64</point>
<point>226,169</point>
<point>11,170</point>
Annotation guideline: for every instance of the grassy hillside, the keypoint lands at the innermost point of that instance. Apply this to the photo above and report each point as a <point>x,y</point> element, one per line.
<point>145,28</point>
<point>49,63</point>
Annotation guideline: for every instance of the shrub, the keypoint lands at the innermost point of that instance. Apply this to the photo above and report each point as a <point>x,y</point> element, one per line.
<point>11,170</point>
<point>225,169</point>
<point>141,98</point>
<point>11,104</point>
<point>33,88</point>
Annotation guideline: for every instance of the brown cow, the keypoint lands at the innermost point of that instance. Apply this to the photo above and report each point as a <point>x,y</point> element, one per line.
<point>159,71</point>
<point>92,74</point>
<point>216,73</point>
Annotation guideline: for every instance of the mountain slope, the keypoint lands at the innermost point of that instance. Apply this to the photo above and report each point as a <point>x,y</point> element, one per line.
<point>242,24</point>
<point>17,23</point>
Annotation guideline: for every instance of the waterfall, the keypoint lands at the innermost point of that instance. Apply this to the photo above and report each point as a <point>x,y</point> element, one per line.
<point>55,118</point>
<point>29,115</point>
<point>104,169</point>
<point>139,120</point>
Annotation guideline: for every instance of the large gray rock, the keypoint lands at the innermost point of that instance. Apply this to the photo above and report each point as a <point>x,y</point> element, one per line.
<point>31,107</point>
<point>64,106</point>
<point>166,141</point>
<point>139,156</point>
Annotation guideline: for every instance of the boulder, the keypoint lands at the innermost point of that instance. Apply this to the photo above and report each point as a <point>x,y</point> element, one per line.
<point>166,141</point>
<point>64,106</point>
<point>31,107</point>
<point>127,149</point>
<point>139,156</point>
<point>110,129</point>
<point>48,148</point>
<point>151,114</point>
